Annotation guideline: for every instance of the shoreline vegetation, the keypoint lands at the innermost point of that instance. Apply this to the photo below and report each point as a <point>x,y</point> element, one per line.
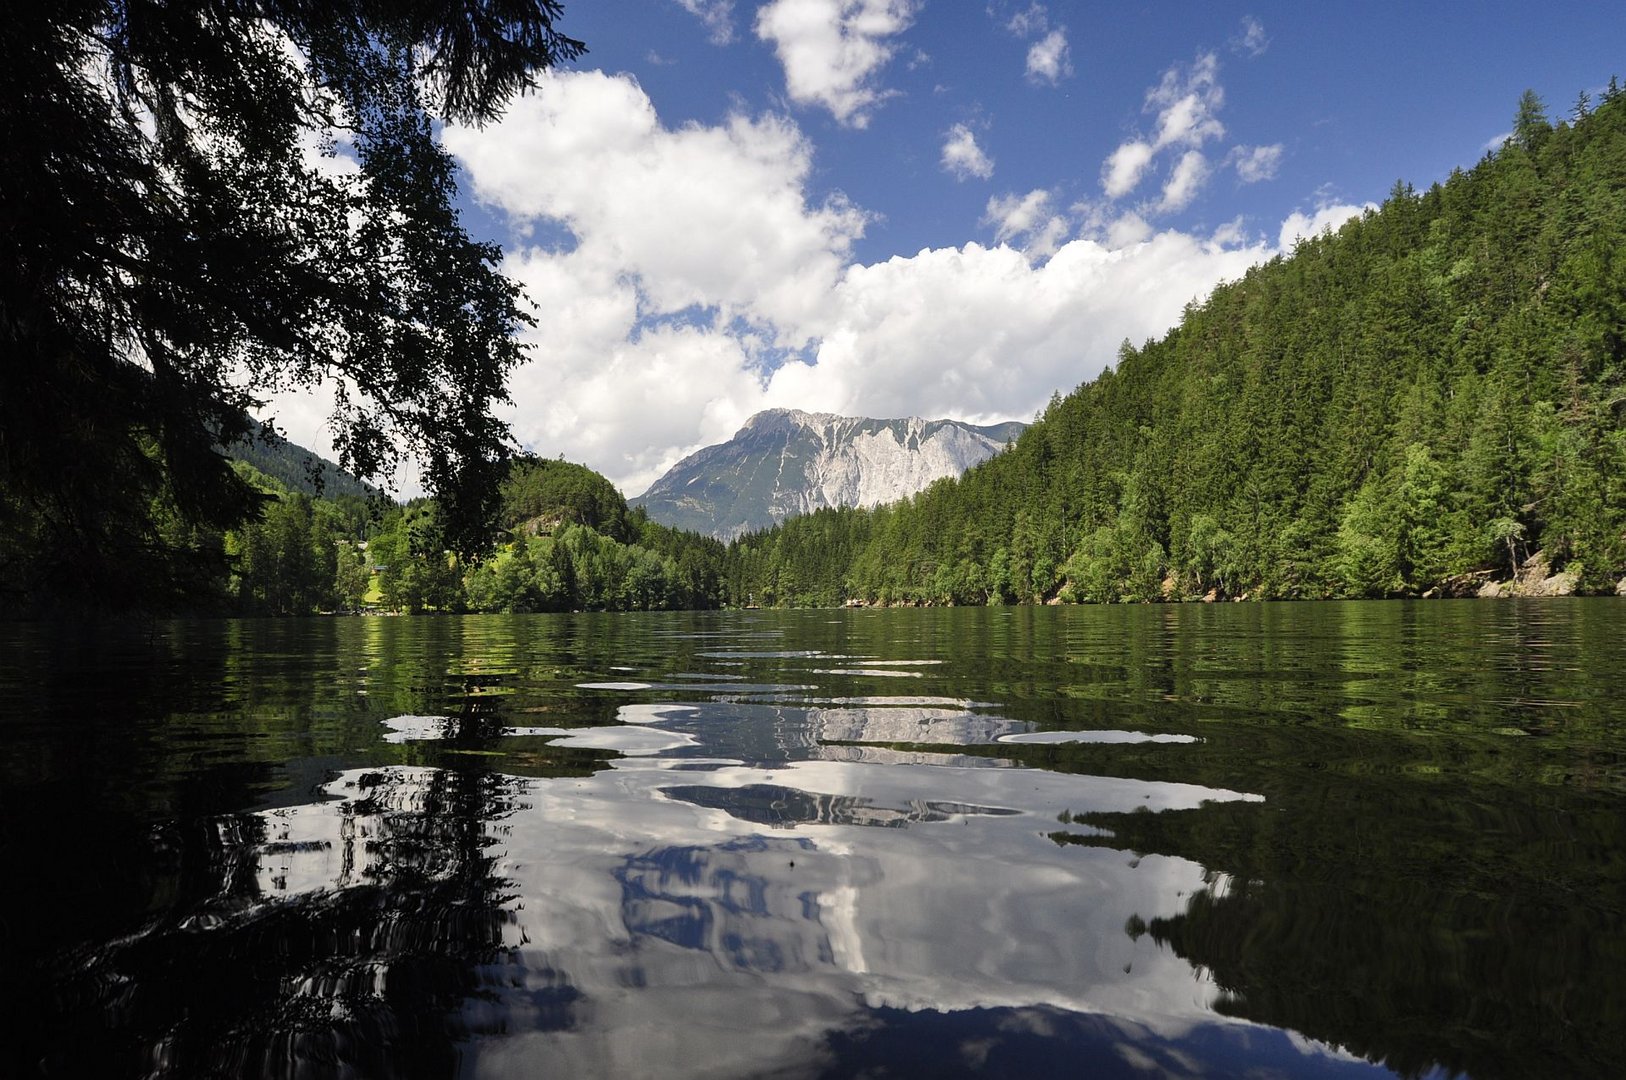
<point>1428,402</point>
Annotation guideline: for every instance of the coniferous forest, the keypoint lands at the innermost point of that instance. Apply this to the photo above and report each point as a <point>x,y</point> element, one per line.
<point>1427,400</point>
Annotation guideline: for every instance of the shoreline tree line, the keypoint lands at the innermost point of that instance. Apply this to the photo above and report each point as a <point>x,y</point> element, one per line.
<point>1412,405</point>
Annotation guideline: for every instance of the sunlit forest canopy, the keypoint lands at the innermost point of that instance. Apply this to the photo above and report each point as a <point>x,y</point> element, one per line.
<point>1419,401</point>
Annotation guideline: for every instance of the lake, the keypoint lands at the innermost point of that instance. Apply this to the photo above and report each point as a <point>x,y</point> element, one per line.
<point>1333,839</point>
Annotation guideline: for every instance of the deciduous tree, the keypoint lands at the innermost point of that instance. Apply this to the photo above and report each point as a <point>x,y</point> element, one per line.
<point>178,244</point>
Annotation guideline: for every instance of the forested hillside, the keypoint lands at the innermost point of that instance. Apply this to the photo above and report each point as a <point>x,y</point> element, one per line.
<point>1416,402</point>
<point>572,544</point>
<point>566,542</point>
<point>296,467</point>
<point>302,555</point>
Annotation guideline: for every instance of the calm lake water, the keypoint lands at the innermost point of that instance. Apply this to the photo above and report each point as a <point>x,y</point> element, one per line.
<point>1233,840</point>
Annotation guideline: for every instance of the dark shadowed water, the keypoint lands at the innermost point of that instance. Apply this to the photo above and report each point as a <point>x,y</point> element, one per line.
<point>1235,840</point>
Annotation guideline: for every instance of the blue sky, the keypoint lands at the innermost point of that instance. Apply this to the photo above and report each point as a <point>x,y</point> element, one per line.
<point>948,208</point>
<point>1357,95</point>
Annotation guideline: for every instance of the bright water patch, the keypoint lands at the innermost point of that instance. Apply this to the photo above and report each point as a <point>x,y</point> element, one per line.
<point>899,663</point>
<point>1096,737</point>
<point>632,741</point>
<point>869,672</point>
<point>413,728</point>
<point>759,654</point>
<point>909,724</point>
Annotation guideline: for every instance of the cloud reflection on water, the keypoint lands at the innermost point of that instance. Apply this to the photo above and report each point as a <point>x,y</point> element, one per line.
<point>744,913</point>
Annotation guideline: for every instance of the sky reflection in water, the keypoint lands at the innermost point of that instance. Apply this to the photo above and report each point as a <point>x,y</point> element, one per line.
<point>539,869</point>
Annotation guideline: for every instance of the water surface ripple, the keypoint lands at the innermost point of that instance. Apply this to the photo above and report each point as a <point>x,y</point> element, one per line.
<point>1237,840</point>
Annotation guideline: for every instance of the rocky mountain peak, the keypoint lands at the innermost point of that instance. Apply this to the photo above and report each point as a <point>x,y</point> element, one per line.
<point>785,462</point>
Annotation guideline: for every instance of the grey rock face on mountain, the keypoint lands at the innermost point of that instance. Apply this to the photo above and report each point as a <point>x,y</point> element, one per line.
<point>785,462</point>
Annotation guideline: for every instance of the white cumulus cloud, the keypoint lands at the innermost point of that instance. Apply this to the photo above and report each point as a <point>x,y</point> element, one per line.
<point>1121,172</point>
<point>1128,229</point>
<point>1231,233</point>
<point>832,50</point>
<point>691,278</point>
<point>709,216</point>
<point>1186,179</point>
<point>1186,100</point>
<point>1300,226</point>
<point>1049,60</point>
<point>1256,163</point>
<point>962,157</point>
<point>1029,222</point>
<point>1014,215</point>
<point>984,333</point>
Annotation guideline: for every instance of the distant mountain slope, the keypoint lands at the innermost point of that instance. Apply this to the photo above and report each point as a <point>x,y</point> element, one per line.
<point>785,462</point>
<point>301,469</point>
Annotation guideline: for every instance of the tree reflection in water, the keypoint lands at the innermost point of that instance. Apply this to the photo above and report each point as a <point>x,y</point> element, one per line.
<point>1398,943</point>
<point>359,935</point>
